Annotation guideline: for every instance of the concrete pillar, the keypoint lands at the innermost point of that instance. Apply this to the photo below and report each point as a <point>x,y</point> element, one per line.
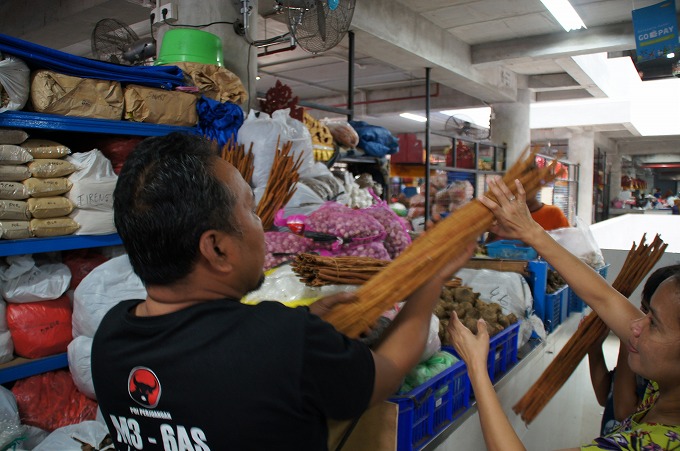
<point>615,174</point>
<point>582,151</point>
<point>239,57</point>
<point>510,125</point>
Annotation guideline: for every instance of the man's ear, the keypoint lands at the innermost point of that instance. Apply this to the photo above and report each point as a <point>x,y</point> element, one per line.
<point>216,248</point>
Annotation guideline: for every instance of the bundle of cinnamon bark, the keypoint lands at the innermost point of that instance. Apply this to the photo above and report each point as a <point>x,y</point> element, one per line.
<point>281,184</point>
<point>316,270</point>
<point>235,153</point>
<point>428,254</point>
<point>639,262</point>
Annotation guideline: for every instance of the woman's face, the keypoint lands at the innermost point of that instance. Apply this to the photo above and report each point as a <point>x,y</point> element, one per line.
<point>654,345</point>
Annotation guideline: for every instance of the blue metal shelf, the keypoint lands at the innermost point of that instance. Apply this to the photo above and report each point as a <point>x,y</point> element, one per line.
<point>20,368</point>
<point>55,122</point>
<point>58,243</point>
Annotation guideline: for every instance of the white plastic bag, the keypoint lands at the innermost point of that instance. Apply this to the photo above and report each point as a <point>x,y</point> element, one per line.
<point>433,343</point>
<point>11,429</point>
<point>93,181</point>
<point>79,354</point>
<point>580,241</point>
<point>24,281</point>
<point>93,222</point>
<point>75,436</point>
<point>284,286</point>
<point>105,286</point>
<point>15,79</point>
<point>508,289</point>
<point>264,132</point>
<point>6,343</point>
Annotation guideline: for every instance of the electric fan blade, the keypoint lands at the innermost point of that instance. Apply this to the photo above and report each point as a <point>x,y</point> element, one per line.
<point>321,18</point>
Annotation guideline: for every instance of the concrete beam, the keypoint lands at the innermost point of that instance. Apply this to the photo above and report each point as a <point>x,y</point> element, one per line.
<point>592,40</point>
<point>391,32</point>
<point>59,25</point>
<point>642,146</point>
<point>551,82</point>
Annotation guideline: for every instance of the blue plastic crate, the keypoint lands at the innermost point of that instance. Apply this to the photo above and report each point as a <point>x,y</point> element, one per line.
<point>503,351</point>
<point>576,304</point>
<point>553,309</point>
<point>510,249</point>
<point>428,409</point>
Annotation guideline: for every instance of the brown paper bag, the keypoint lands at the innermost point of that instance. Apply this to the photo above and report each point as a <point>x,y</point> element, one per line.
<point>376,430</point>
<point>160,106</point>
<point>215,82</point>
<point>56,93</point>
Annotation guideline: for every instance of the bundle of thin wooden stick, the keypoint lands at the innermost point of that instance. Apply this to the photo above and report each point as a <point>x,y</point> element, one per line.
<point>281,184</point>
<point>316,270</point>
<point>429,253</point>
<point>235,153</point>
<point>638,263</point>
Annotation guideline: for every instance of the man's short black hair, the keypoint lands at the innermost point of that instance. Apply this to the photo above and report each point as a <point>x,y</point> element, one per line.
<point>166,197</point>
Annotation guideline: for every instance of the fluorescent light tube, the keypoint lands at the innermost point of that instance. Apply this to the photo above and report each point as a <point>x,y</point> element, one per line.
<point>414,117</point>
<point>565,14</point>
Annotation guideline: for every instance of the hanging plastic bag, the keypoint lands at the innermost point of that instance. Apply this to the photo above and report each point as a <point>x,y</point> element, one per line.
<point>24,281</point>
<point>580,241</point>
<point>51,401</point>
<point>15,79</point>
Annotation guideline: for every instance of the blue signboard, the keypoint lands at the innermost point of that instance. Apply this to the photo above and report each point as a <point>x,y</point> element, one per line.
<point>656,31</point>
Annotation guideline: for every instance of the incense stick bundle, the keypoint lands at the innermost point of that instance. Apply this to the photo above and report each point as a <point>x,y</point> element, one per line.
<point>638,263</point>
<point>281,185</point>
<point>430,252</point>
<point>315,270</point>
<point>243,161</point>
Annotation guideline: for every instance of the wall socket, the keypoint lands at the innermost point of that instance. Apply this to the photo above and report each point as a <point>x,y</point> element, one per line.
<point>166,13</point>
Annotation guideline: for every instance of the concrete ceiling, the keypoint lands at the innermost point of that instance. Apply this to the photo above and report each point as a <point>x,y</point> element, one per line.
<point>480,52</point>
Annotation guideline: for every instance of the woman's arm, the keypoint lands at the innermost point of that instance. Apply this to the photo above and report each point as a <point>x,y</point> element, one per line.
<point>514,221</point>
<point>599,374</point>
<point>625,387</point>
<point>474,349</point>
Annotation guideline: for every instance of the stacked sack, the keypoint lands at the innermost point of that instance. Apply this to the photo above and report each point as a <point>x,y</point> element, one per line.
<point>92,193</point>
<point>14,215</point>
<point>46,186</point>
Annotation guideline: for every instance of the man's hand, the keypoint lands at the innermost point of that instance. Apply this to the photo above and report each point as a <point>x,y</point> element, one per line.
<point>323,306</point>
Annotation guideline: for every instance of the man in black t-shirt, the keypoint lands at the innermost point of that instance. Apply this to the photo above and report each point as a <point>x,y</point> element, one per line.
<point>190,367</point>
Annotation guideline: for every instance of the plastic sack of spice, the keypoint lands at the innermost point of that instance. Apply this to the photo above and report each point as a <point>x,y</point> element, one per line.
<point>348,225</point>
<point>51,400</point>
<point>282,247</point>
<point>397,238</point>
<point>40,329</point>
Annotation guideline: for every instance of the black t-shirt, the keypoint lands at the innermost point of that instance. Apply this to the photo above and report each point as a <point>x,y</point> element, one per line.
<point>226,376</point>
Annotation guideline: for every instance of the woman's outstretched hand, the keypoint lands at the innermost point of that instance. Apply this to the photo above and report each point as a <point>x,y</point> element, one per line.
<point>513,219</point>
<point>473,349</point>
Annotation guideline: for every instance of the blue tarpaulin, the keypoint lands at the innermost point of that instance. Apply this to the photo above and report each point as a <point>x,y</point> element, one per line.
<point>37,56</point>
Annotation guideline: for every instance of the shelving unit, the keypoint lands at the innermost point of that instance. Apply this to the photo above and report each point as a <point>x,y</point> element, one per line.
<point>20,368</point>
<point>487,159</point>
